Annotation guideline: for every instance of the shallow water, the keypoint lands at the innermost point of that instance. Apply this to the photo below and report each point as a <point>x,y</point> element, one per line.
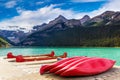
<point>112,53</point>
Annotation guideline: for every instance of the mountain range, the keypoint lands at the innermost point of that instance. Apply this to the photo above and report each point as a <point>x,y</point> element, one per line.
<point>101,30</point>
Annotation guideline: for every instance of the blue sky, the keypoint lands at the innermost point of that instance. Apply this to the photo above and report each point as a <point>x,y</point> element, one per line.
<point>27,13</point>
<point>9,7</point>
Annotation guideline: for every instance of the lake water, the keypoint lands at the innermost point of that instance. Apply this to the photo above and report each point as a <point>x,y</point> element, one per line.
<point>111,53</point>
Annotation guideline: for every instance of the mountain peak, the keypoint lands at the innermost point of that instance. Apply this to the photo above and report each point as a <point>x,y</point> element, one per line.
<point>59,19</point>
<point>108,13</point>
<point>86,16</point>
<point>84,19</point>
<point>60,16</point>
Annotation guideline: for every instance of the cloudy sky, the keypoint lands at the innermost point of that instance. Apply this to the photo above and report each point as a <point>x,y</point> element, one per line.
<point>27,13</point>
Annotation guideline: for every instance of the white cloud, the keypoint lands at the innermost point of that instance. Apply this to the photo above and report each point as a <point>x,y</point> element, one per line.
<point>39,3</point>
<point>87,0</point>
<point>112,5</point>
<point>10,4</point>
<point>27,19</point>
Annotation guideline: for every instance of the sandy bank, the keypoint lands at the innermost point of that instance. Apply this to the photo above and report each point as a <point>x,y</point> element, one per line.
<point>30,71</point>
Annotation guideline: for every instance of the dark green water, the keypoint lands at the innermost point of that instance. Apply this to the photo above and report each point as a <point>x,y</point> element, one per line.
<point>111,53</point>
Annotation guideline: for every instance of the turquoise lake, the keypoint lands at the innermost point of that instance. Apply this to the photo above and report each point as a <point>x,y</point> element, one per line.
<point>111,53</point>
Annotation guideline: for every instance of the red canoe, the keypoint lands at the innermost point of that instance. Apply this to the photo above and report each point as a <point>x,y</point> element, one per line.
<point>10,55</point>
<point>46,68</point>
<point>56,68</point>
<point>20,58</point>
<point>72,64</point>
<point>84,66</point>
<point>89,67</point>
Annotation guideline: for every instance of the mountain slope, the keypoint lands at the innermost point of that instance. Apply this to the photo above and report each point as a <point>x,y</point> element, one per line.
<point>106,18</point>
<point>78,36</point>
<point>84,19</point>
<point>54,24</point>
<point>58,23</point>
<point>3,43</point>
<point>13,36</point>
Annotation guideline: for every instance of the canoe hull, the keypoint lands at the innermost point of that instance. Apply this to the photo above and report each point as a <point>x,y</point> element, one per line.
<point>90,67</point>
